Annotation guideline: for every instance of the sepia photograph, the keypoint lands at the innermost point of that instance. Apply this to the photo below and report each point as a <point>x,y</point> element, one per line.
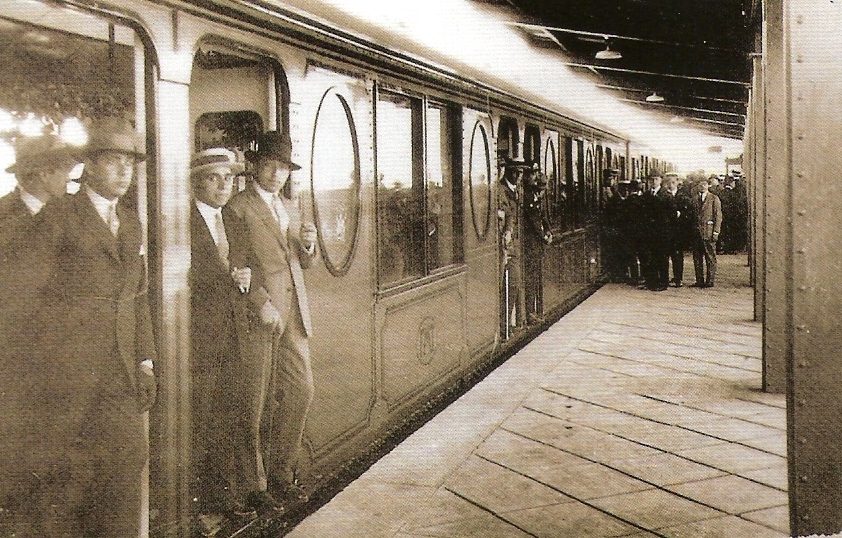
<point>440,269</point>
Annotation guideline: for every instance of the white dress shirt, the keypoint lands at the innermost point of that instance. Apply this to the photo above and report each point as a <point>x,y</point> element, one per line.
<point>33,203</point>
<point>105,208</point>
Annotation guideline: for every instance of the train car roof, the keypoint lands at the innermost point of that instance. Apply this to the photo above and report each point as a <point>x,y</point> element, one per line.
<point>486,41</point>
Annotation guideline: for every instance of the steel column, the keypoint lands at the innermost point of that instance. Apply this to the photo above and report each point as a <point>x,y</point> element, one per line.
<point>814,408</point>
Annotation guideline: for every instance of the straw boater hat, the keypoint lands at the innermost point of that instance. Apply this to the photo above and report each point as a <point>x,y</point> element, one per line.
<point>273,145</point>
<point>39,152</point>
<point>114,134</point>
<point>213,157</point>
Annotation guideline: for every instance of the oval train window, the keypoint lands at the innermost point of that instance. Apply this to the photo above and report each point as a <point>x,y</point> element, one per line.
<point>335,181</point>
<point>480,181</point>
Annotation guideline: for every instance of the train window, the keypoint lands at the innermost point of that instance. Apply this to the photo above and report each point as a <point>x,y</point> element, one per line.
<point>400,188</point>
<point>335,181</point>
<point>480,181</point>
<point>443,195</point>
<point>233,130</point>
<point>575,190</point>
<point>532,144</point>
<point>556,191</point>
<point>508,138</point>
<point>590,184</point>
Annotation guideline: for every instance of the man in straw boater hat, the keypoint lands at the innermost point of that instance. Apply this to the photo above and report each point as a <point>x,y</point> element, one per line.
<point>215,358</point>
<point>75,412</point>
<point>274,327</point>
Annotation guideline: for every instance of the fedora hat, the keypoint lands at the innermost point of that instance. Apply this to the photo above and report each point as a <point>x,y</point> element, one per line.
<point>517,163</point>
<point>40,152</point>
<point>273,145</point>
<point>213,157</point>
<point>114,134</point>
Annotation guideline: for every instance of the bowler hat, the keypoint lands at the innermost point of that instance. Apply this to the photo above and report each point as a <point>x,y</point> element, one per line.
<point>38,152</point>
<point>114,133</point>
<point>273,145</point>
<point>213,157</point>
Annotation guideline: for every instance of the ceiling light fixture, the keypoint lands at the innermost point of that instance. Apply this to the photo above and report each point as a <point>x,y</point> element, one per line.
<point>654,98</point>
<point>608,54</point>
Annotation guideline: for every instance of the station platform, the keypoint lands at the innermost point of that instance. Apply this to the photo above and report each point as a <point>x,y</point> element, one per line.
<point>638,414</point>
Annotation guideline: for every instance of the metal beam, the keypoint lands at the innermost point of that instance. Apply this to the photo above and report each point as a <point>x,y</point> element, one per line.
<point>606,36</point>
<point>679,107</point>
<point>654,74</point>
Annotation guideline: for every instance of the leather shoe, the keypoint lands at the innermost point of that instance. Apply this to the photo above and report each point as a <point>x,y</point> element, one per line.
<point>293,494</point>
<point>678,284</point>
<point>263,503</point>
<point>697,285</point>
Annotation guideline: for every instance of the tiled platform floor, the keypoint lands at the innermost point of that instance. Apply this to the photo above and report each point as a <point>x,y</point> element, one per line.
<point>638,415</point>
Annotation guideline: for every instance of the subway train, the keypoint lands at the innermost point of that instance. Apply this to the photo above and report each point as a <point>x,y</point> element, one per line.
<point>401,161</point>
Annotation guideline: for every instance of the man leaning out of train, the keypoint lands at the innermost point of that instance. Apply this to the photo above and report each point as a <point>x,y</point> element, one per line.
<point>273,324</point>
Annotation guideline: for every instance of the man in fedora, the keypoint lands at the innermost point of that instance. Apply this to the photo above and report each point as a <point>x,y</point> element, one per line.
<point>73,431</point>
<point>215,358</point>
<point>274,323</point>
<point>509,211</point>
<point>42,167</point>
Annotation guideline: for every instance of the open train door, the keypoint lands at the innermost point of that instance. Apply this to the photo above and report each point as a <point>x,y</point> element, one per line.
<point>511,262</point>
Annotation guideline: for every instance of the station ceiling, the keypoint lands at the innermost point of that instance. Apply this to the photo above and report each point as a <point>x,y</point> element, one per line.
<point>695,54</point>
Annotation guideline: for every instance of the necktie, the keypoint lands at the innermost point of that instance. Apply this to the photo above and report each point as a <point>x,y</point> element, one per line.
<point>113,221</point>
<point>221,239</point>
<point>281,214</point>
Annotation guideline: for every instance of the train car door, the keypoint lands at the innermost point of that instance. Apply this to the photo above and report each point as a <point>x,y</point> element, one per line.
<point>481,251</point>
<point>510,212</point>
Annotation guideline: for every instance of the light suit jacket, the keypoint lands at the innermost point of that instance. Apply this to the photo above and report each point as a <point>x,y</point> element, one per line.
<point>276,261</point>
<point>708,215</point>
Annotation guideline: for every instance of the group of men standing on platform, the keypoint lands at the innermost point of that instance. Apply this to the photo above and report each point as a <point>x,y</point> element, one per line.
<point>648,226</point>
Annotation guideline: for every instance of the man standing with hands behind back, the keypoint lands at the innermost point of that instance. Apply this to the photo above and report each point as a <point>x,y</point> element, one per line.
<point>273,323</point>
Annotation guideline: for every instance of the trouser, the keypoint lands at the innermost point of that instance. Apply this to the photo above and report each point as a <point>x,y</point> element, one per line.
<point>677,257</point>
<point>704,257</point>
<point>93,489</point>
<point>274,392</point>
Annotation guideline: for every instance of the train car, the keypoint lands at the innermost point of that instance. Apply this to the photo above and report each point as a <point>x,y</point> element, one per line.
<point>400,159</point>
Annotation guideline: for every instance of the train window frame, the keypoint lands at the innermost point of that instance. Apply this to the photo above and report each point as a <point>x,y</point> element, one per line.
<point>418,105</point>
<point>341,269</point>
<point>480,125</point>
<point>532,144</point>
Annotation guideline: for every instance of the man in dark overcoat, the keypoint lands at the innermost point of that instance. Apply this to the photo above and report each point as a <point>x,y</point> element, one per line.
<point>73,428</point>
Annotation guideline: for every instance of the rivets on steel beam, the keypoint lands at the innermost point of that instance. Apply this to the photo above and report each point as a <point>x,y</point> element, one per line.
<point>802,402</point>
<point>802,288</point>
<point>802,250</point>
<point>803,478</point>
<point>802,440</point>
<point>802,212</point>
<point>804,517</point>
<point>801,327</point>
<point>799,19</point>
<point>800,174</point>
<point>802,364</point>
<point>800,135</point>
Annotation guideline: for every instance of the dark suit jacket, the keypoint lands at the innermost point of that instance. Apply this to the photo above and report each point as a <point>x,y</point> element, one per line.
<point>90,293</point>
<point>708,215</point>
<point>89,330</point>
<point>213,293</point>
<point>15,219</point>
<point>276,261</point>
